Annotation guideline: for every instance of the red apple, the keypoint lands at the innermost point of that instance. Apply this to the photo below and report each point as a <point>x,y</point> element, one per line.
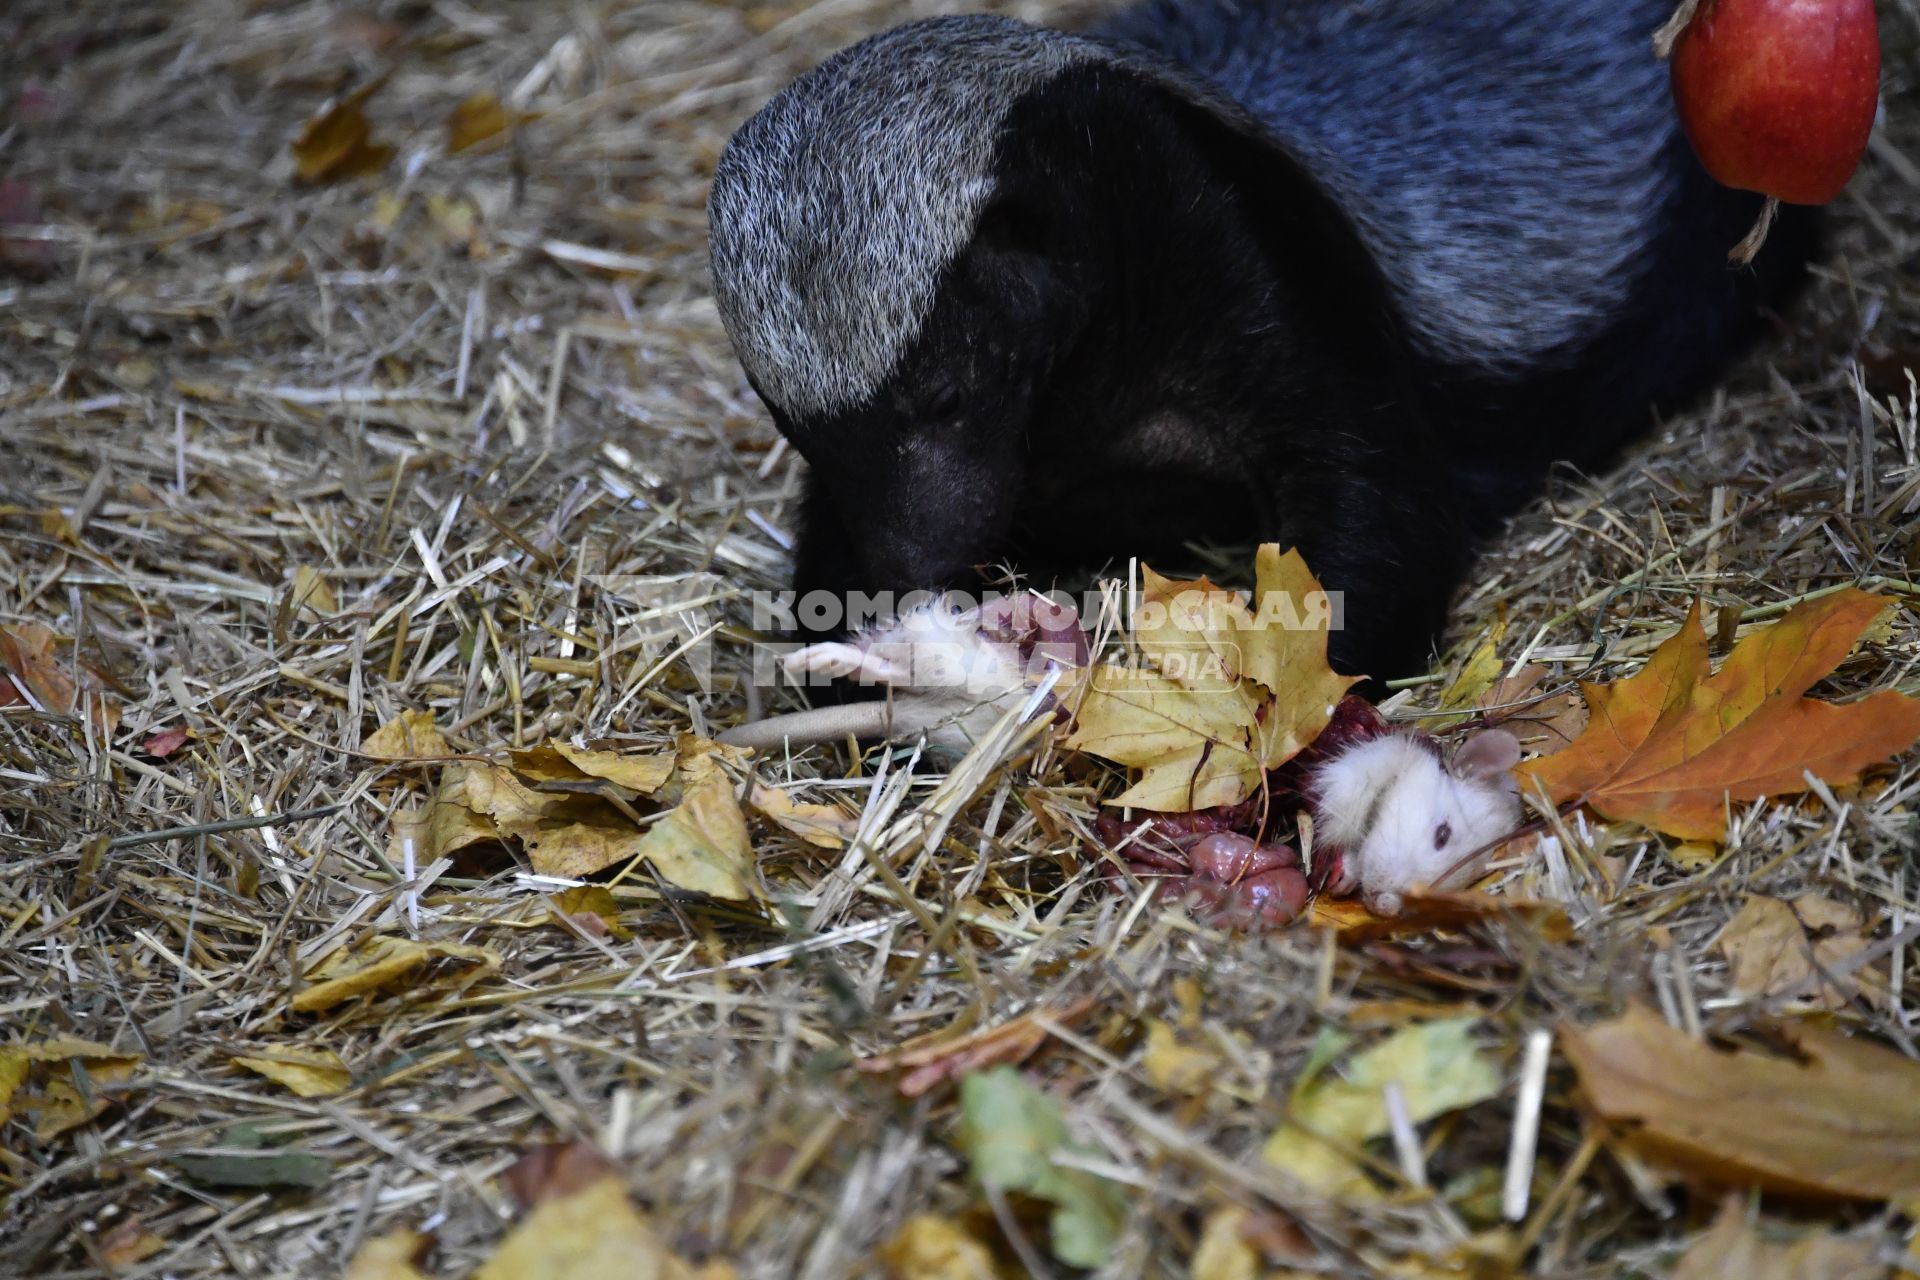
<point>1778,96</point>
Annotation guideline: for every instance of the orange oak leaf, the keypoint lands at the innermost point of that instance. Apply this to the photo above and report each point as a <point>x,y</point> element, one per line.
<point>1670,746</point>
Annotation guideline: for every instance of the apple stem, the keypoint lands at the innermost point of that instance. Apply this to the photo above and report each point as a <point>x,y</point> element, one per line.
<point>1664,38</point>
<point>1749,249</point>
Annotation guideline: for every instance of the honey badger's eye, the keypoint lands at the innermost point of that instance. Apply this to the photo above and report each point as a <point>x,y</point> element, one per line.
<point>942,402</point>
<point>1442,834</point>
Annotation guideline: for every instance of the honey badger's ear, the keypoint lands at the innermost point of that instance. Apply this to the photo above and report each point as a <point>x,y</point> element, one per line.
<point>1011,260</point>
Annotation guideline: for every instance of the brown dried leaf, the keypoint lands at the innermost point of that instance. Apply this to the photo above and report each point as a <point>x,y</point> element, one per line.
<point>58,1104</point>
<point>592,1234</point>
<point>390,1257</point>
<point>1733,1248</point>
<point>377,963</point>
<point>1670,746</point>
<point>940,1055</point>
<point>591,907</point>
<point>127,1243</point>
<point>1427,912</point>
<point>1178,1064</point>
<point>1839,1121</point>
<point>703,844</point>
<point>309,1073</point>
<point>825,826</point>
<point>311,590</point>
<point>476,120</point>
<point>411,735</point>
<point>929,1247</point>
<point>641,775</point>
<point>338,143</point>
<point>1774,946</point>
<point>29,661</point>
<point>552,1170</point>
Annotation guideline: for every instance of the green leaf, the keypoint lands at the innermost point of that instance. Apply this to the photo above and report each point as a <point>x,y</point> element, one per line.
<point>1438,1069</point>
<point>1011,1132</point>
<point>255,1169</point>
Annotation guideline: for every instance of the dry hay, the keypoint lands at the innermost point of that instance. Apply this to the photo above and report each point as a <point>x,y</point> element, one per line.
<point>460,390</point>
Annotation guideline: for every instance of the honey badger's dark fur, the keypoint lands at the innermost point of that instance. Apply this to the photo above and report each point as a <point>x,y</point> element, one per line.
<point>1346,274</point>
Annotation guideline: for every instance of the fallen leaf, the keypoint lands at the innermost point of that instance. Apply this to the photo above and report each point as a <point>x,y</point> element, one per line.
<point>1775,947</point>
<point>1427,912</point>
<point>553,1170</point>
<point>1238,1245</point>
<point>590,902</point>
<point>1841,1120</point>
<point>825,826</point>
<point>126,1243</point>
<point>572,809</point>
<point>1694,855</point>
<point>640,774</point>
<point>1476,677</point>
<point>1731,1247</point>
<point>1176,1066</point>
<point>255,1168</point>
<point>930,1059</point>
<point>377,963</point>
<point>593,1234</point>
<point>1670,746</point>
<point>928,1247</point>
<point>159,746</point>
<point>309,1073</point>
<point>55,1066</point>
<point>476,120</point>
<point>703,844</point>
<point>1438,1068</point>
<point>443,826</point>
<point>389,1257</point>
<point>338,143</point>
<point>411,735</point>
<point>28,661</point>
<point>1010,1132</point>
<point>1543,725</point>
<point>311,590</point>
<point>1229,692</point>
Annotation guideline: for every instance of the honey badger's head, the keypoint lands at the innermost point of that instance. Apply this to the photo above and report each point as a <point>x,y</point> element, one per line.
<point>892,305</point>
<point>1016,293</point>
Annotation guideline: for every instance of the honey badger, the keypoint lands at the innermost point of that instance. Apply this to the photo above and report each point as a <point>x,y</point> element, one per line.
<point>1350,275</point>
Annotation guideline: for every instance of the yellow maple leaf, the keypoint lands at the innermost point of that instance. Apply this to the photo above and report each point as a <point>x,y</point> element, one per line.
<point>1231,691</point>
<point>1670,746</point>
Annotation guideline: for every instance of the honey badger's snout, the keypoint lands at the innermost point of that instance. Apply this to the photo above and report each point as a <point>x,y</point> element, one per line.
<point>899,509</point>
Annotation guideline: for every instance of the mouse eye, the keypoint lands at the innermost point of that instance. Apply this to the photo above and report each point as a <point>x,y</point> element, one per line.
<point>1442,834</point>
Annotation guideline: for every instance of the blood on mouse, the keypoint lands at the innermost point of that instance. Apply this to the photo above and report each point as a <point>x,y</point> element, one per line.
<point>1390,814</point>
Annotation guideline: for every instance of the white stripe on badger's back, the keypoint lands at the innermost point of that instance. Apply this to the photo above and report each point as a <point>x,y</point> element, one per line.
<point>835,209</point>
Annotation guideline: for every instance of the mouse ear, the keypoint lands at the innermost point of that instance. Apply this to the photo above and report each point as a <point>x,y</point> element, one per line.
<point>1487,754</point>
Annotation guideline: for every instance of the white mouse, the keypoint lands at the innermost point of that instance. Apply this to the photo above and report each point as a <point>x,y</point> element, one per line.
<point>950,674</point>
<point>1398,817</point>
